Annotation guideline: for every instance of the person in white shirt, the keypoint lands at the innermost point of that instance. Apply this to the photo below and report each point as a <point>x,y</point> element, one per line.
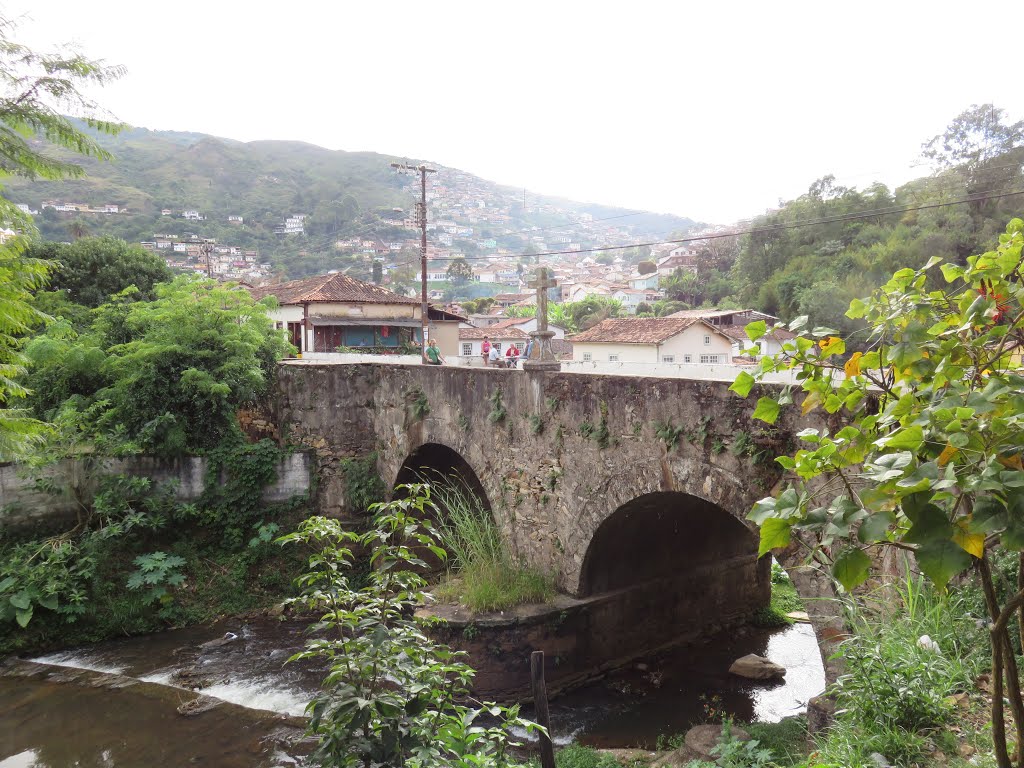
<point>493,356</point>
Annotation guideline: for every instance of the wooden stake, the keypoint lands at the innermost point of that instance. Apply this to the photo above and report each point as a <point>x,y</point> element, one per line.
<point>540,704</point>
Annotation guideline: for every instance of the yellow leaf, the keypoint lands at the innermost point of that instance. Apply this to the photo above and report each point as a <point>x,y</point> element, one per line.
<point>827,344</point>
<point>971,543</point>
<point>1011,462</point>
<point>852,366</point>
<point>947,454</point>
<point>812,401</point>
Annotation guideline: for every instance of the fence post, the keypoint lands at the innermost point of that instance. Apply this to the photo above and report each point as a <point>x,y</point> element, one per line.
<point>540,704</point>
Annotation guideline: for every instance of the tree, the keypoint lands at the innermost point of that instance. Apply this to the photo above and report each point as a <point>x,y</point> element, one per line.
<point>378,272</point>
<point>77,229</point>
<point>20,276</point>
<point>930,457</point>
<point>38,89</point>
<point>976,136</point>
<point>459,271</point>
<point>180,366</point>
<point>646,268</point>
<point>92,270</point>
<point>981,146</point>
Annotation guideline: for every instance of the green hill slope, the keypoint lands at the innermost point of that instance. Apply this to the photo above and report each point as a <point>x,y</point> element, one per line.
<point>342,193</point>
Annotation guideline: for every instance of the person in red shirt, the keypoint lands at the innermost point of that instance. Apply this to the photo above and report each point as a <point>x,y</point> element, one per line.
<point>486,347</point>
<point>511,356</point>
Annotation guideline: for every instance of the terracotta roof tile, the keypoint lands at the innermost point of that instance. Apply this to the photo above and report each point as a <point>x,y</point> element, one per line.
<point>330,288</point>
<point>634,330</point>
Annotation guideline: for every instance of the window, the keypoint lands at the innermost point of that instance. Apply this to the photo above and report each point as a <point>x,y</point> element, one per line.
<point>467,348</point>
<point>496,346</point>
<point>687,358</point>
<point>613,358</point>
<point>587,357</point>
<point>668,358</point>
<point>520,345</point>
<point>709,359</point>
<point>707,341</point>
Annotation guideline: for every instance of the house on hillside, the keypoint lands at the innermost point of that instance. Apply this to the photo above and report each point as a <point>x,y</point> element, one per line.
<point>324,313</point>
<point>646,282</point>
<point>653,340</point>
<point>506,300</point>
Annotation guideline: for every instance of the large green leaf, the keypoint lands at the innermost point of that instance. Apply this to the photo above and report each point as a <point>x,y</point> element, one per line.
<point>929,523</point>
<point>775,533</point>
<point>743,384</point>
<point>767,410</point>
<point>909,439</point>
<point>756,329</point>
<point>941,560</point>
<point>851,568</point>
<point>874,527</point>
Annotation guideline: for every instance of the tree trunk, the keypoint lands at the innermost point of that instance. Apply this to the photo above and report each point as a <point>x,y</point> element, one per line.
<point>998,724</point>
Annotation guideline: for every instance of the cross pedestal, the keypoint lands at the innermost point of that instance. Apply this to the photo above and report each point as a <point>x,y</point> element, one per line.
<point>542,358</point>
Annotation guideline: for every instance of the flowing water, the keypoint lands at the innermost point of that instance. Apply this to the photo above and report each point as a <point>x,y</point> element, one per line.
<point>55,712</point>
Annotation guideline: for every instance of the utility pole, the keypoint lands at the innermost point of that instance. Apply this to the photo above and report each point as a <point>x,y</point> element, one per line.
<point>207,248</point>
<point>424,320</point>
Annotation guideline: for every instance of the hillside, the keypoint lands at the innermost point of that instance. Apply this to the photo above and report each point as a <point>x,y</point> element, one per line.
<point>342,194</point>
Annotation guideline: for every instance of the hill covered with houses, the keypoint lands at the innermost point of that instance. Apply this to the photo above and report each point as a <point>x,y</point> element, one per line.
<point>280,209</point>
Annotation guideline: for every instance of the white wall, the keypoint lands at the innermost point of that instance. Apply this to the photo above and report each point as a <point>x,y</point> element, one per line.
<point>691,342</point>
<point>673,371</point>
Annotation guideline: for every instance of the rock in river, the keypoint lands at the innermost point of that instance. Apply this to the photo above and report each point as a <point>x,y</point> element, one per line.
<point>757,667</point>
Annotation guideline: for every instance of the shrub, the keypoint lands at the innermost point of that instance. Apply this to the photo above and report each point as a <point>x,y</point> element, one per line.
<point>392,696</point>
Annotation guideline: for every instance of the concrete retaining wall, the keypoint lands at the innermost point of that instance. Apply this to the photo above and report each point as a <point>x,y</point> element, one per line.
<point>24,503</point>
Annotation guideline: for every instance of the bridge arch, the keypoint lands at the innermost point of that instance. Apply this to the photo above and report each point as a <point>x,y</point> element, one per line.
<point>660,536</point>
<point>433,461</point>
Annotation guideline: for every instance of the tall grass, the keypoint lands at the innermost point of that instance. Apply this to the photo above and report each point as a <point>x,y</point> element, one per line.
<point>483,574</point>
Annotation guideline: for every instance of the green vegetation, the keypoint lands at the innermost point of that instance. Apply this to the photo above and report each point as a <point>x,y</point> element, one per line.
<point>578,756</point>
<point>785,600</point>
<point>138,561</point>
<point>34,84</point>
<point>482,573</point>
<point>91,271</point>
<point>498,410</point>
<point>932,413</point>
<point>898,697</point>
<point>393,696</point>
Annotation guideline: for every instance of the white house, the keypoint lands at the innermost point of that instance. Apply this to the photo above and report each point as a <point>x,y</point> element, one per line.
<point>192,215</point>
<point>653,340</point>
<point>640,282</point>
<point>732,323</point>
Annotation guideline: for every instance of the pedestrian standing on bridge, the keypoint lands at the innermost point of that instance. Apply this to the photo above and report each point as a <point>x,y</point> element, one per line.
<point>434,356</point>
<point>486,347</point>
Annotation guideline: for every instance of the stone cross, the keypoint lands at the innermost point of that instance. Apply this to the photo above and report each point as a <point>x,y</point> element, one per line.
<point>541,357</point>
<point>542,283</point>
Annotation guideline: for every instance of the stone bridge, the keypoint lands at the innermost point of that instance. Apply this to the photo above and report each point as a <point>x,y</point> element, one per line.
<point>632,491</point>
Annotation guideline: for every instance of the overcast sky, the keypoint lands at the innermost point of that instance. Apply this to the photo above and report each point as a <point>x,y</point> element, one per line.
<point>712,110</point>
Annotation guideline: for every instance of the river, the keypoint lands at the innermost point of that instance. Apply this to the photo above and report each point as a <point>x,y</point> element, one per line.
<point>114,704</point>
